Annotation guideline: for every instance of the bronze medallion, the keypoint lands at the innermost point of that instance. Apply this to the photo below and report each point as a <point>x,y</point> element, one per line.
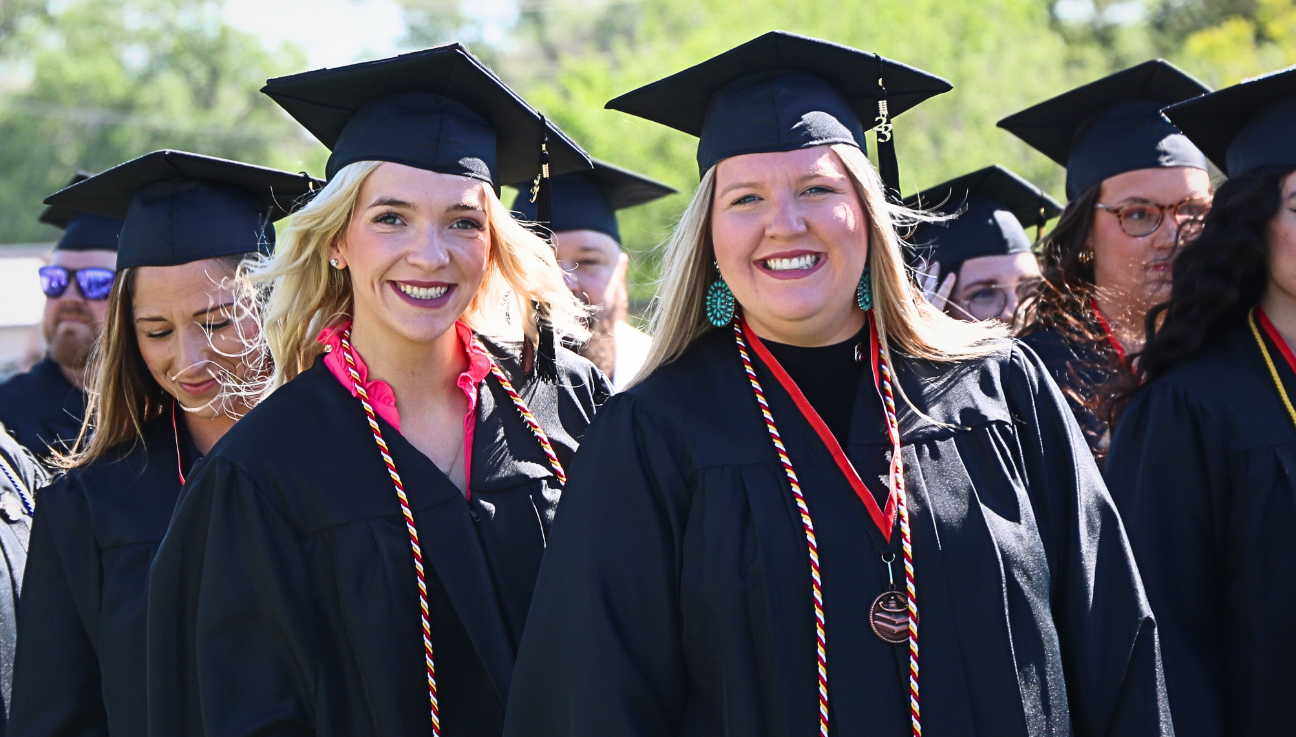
<point>889,618</point>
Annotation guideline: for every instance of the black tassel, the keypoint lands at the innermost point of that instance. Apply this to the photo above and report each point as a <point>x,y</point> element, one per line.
<point>888,166</point>
<point>546,363</point>
<point>541,191</point>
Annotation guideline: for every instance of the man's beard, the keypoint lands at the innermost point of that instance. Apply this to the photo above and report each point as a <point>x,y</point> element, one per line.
<point>600,350</point>
<point>71,348</point>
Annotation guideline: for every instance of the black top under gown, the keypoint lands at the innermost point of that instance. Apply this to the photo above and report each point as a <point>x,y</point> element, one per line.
<point>284,600</point>
<point>80,662</point>
<point>42,409</point>
<point>20,476</point>
<point>1085,371</point>
<point>1203,470</point>
<point>675,597</point>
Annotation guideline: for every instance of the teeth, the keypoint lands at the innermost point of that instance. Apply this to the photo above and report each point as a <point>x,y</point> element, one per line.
<point>789,264</point>
<point>422,292</point>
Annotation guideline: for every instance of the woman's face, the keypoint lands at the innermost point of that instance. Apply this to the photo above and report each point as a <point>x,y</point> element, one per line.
<point>990,287</point>
<point>190,336</point>
<point>417,248</point>
<point>791,239</point>
<point>1281,256</point>
<point>1138,268</point>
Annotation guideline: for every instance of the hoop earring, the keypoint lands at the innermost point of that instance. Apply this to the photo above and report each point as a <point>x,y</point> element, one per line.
<point>864,292</point>
<point>719,302</point>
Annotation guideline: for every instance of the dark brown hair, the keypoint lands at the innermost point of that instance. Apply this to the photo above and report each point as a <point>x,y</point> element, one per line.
<point>1217,278</point>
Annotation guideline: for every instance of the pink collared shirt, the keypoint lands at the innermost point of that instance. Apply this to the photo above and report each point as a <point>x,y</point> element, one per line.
<point>383,399</point>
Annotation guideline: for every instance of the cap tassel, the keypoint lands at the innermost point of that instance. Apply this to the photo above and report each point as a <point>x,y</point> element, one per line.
<point>546,363</point>
<point>888,166</point>
<point>541,189</point>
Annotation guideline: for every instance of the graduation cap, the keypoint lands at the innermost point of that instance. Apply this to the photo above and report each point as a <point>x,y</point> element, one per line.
<point>993,207</point>
<point>440,110</point>
<point>1113,125</point>
<point>588,200</point>
<point>180,207</point>
<point>1245,126</point>
<point>783,92</point>
<point>82,231</point>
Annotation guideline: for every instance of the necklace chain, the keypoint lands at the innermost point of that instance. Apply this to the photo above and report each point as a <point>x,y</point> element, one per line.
<point>807,523</point>
<point>408,514</point>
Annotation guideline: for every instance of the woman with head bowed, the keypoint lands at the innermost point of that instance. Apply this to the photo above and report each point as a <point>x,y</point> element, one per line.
<point>826,508</point>
<point>358,556</point>
<point>1134,181</point>
<point>1201,464</point>
<point>170,378</point>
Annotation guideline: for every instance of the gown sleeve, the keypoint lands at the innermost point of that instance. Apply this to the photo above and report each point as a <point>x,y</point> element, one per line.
<point>57,689</point>
<point>1111,656</point>
<point>1166,463</point>
<point>601,653</point>
<point>229,616</point>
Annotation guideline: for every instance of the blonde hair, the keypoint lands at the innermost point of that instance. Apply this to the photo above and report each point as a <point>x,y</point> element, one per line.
<point>302,295</point>
<point>905,319</point>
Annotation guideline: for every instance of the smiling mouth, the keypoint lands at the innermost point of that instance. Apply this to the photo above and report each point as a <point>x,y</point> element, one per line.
<point>423,292</point>
<point>795,263</point>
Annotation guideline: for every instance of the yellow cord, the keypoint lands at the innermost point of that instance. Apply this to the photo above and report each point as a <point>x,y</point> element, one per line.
<point>1273,370</point>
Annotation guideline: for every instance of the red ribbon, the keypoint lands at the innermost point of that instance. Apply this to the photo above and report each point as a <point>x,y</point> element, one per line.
<point>1111,337</point>
<point>1277,338</point>
<point>884,519</point>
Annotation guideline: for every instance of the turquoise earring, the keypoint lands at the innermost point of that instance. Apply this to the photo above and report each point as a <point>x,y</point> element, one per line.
<point>864,292</point>
<point>719,302</point>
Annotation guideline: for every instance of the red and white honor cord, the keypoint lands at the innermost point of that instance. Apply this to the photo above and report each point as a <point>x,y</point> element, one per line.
<point>408,514</point>
<point>816,582</point>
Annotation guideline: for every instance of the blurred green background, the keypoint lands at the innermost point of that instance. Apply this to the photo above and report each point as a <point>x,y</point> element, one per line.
<point>90,83</point>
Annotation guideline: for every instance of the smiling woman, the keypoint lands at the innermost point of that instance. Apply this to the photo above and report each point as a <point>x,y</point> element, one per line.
<point>362,548</point>
<point>167,382</point>
<point>819,475</point>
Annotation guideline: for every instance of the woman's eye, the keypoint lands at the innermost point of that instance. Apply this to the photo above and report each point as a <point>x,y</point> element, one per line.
<point>746,199</point>
<point>388,218</point>
<point>1139,214</point>
<point>465,224</point>
<point>817,190</point>
<point>158,335</point>
<point>212,327</point>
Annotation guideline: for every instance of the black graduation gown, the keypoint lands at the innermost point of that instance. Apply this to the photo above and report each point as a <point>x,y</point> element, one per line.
<point>1203,470</point>
<point>20,476</point>
<point>284,598</point>
<point>42,408</point>
<point>675,597</point>
<point>80,663</point>
<point>1085,372</point>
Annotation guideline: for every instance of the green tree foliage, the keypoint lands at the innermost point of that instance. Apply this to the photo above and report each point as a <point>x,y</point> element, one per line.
<point>108,80</point>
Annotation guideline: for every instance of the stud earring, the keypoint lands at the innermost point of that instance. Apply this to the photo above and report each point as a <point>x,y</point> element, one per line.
<point>864,292</point>
<point>719,302</point>
<point>333,262</point>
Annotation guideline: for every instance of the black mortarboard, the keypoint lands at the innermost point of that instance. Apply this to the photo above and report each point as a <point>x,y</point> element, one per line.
<point>588,200</point>
<point>180,207</point>
<point>992,206</point>
<point>82,231</point>
<point>1113,125</point>
<point>441,110</point>
<point>782,92</point>
<point>1245,126</point>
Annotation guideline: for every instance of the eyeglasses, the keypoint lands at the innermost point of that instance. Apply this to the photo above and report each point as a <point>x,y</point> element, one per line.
<point>1141,219</point>
<point>94,283</point>
<point>988,302</point>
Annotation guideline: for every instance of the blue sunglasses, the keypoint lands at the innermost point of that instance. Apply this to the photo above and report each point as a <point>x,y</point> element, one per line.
<point>94,283</point>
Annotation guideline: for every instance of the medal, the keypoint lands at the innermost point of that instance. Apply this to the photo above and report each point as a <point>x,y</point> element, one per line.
<point>889,615</point>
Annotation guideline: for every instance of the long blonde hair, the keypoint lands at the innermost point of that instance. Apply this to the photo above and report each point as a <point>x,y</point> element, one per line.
<point>906,320</point>
<point>302,295</point>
